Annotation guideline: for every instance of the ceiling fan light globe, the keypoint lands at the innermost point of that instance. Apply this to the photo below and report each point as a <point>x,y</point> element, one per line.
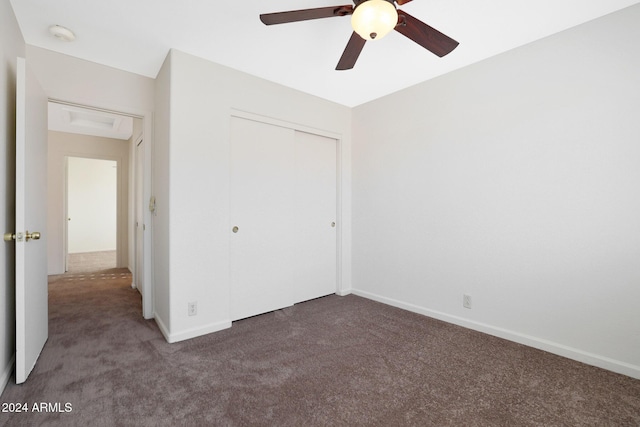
<point>373,19</point>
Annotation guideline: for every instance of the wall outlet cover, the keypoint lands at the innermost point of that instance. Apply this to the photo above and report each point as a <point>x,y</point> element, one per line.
<point>466,301</point>
<point>192,308</point>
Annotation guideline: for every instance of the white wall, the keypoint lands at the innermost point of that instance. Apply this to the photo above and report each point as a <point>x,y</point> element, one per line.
<point>195,182</point>
<point>69,79</point>
<point>92,196</point>
<point>11,46</point>
<point>514,180</point>
<point>62,145</point>
<point>161,187</point>
<point>83,82</point>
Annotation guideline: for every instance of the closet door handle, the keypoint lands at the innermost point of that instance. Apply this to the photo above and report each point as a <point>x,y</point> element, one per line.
<point>235,229</point>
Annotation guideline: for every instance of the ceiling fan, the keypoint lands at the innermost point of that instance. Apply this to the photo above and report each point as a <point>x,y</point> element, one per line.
<point>371,20</point>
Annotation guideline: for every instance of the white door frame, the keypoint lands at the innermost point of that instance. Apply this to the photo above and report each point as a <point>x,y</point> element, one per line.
<point>138,210</point>
<point>147,132</point>
<point>120,224</point>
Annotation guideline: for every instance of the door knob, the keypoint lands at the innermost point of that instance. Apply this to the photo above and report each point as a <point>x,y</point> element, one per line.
<point>333,224</point>
<point>8,237</point>
<point>29,236</point>
<point>235,229</point>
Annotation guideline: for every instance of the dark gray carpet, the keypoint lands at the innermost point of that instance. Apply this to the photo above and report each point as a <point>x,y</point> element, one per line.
<point>342,361</point>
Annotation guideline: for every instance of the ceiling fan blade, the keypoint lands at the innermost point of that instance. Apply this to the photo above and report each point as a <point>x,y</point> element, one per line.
<point>351,52</point>
<point>401,2</point>
<point>426,36</point>
<point>305,14</point>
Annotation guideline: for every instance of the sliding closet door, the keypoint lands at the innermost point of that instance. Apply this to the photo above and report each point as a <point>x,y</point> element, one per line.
<point>262,217</point>
<point>315,216</point>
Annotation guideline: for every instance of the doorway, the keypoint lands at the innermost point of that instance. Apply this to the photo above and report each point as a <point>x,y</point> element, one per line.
<point>92,214</point>
<point>80,131</point>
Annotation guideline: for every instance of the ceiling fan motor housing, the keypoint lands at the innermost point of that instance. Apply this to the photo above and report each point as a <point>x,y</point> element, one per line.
<point>359,2</point>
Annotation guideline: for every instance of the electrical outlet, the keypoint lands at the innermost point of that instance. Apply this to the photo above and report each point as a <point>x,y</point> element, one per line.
<point>466,301</point>
<point>192,308</point>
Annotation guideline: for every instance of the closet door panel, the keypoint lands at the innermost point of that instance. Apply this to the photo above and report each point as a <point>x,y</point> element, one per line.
<point>262,209</point>
<point>315,216</point>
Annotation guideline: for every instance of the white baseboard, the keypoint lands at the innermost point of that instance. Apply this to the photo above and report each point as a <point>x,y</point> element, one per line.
<point>6,374</point>
<point>190,333</point>
<point>343,292</point>
<point>528,340</point>
<point>162,327</point>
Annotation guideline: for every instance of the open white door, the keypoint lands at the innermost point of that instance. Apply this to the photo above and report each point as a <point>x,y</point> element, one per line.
<point>32,323</point>
<point>139,218</point>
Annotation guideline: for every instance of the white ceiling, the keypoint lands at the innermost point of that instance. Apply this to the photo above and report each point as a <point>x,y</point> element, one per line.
<point>136,36</point>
